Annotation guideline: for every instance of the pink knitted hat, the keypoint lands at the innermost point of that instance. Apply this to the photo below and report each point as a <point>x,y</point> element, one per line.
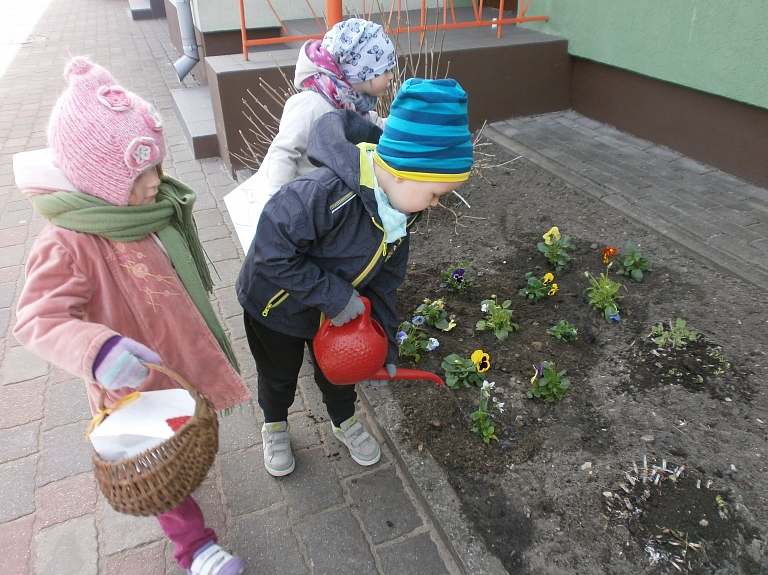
<point>103,136</point>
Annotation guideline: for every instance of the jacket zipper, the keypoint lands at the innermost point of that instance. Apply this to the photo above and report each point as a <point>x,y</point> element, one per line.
<point>282,295</point>
<point>276,300</point>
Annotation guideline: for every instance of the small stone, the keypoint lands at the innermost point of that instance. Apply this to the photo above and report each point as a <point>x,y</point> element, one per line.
<point>436,423</point>
<point>536,345</point>
<point>727,399</point>
<point>647,438</point>
<point>593,246</point>
<point>587,465</point>
<point>703,522</point>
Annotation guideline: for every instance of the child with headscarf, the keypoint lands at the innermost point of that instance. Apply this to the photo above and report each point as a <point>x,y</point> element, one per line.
<point>349,69</point>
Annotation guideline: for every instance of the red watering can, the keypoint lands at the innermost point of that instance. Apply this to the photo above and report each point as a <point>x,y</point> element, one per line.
<point>355,351</point>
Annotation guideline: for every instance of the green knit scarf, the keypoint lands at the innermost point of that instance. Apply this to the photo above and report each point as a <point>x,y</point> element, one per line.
<point>170,218</point>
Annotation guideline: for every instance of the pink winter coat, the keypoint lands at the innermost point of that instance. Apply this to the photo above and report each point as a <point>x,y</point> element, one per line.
<point>82,289</point>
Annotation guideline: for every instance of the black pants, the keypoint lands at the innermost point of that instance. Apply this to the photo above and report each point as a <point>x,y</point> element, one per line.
<point>278,361</point>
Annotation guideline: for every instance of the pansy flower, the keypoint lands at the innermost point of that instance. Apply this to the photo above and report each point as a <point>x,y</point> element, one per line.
<point>418,320</point>
<point>614,317</point>
<point>488,386</point>
<point>608,253</point>
<point>553,290</point>
<point>458,276</point>
<point>433,344</point>
<point>539,372</point>
<point>401,336</point>
<point>552,235</point>
<point>548,277</point>
<point>482,360</point>
<point>484,308</point>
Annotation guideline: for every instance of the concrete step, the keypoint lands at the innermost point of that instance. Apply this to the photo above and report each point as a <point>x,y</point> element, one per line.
<point>195,113</point>
<point>146,9</point>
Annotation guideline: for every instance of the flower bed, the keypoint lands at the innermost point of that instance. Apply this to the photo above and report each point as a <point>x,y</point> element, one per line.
<point>545,481</point>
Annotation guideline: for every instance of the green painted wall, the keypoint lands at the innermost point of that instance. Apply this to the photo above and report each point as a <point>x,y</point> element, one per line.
<point>716,46</point>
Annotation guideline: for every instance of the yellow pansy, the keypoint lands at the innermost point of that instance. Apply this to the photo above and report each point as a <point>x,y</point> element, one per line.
<point>553,290</point>
<point>548,277</point>
<point>554,233</point>
<point>482,360</point>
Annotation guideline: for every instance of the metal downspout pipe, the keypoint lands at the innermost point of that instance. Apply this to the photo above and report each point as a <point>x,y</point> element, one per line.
<point>188,41</point>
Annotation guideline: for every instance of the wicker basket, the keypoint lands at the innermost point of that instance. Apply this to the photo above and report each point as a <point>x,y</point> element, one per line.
<point>160,479</point>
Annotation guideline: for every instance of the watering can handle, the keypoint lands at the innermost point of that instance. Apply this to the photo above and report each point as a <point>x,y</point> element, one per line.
<point>323,331</point>
<point>407,374</point>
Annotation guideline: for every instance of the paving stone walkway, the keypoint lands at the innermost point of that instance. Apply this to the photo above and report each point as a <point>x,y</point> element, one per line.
<point>329,516</point>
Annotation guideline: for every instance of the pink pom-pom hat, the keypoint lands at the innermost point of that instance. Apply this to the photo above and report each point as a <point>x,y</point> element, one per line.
<point>103,136</point>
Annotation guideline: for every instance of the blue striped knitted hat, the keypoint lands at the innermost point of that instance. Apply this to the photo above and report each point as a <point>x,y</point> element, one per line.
<point>427,137</point>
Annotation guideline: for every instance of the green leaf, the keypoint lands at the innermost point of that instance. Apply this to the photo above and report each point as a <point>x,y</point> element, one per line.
<point>480,324</point>
<point>637,275</point>
<point>502,334</point>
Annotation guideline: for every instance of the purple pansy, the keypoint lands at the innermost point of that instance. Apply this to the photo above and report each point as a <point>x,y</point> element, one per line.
<point>401,336</point>
<point>418,319</point>
<point>458,276</point>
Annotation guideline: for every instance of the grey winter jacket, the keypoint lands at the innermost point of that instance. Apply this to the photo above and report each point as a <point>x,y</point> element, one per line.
<point>320,236</point>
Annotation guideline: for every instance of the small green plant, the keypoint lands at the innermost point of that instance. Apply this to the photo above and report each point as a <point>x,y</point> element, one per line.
<point>458,278</point>
<point>460,372</point>
<point>548,383</point>
<point>564,331</point>
<point>497,317</point>
<point>634,263</point>
<point>435,315</point>
<point>603,294</point>
<point>678,335</point>
<point>483,424</point>
<point>412,341</point>
<point>538,289</point>
<point>556,248</point>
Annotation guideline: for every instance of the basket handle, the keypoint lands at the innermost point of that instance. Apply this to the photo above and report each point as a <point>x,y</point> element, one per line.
<point>162,369</point>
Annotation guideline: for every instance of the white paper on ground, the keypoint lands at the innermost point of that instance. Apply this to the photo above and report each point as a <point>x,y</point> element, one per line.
<point>141,424</point>
<point>245,204</point>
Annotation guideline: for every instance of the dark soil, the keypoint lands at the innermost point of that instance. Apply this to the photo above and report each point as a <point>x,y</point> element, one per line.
<point>565,488</point>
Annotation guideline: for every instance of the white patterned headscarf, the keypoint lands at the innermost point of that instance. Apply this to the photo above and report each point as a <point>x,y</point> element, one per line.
<point>361,48</point>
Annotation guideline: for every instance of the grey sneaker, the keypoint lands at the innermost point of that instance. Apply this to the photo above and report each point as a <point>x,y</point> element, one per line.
<point>278,458</point>
<point>362,446</point>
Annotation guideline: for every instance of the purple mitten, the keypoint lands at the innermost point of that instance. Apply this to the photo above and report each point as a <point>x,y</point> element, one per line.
<point>118,363</point>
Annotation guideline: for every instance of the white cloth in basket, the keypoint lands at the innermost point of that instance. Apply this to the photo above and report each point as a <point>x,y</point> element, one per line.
<point>142,424</point>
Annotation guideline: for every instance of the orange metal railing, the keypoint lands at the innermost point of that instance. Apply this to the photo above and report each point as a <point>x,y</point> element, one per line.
<point>334,14</point>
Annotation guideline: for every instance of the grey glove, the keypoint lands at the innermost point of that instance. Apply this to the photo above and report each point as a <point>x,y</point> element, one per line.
<point>391,370</point>
<point>353,309</point>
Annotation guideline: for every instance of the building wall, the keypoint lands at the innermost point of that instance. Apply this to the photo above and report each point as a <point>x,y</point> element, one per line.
<point>709,45</point>
<point>220,15</point>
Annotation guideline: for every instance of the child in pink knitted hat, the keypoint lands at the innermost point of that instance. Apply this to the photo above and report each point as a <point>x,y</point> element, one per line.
<point>117,277</point>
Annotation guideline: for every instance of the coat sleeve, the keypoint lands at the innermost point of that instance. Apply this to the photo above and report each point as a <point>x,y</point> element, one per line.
<point>291,223</point>
<point>290,143</point>
<point>51,310</point>
<point>382,291</point>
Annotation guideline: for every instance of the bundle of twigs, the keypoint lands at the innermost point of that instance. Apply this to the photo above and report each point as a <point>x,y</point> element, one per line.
<point>264,120</point>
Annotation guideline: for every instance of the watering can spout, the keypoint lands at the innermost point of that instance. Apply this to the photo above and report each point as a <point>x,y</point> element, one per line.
<point>403,373</point>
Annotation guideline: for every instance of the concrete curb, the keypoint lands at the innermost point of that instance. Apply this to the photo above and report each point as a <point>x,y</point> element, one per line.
<point>431,486</point>
<point>725,262</point>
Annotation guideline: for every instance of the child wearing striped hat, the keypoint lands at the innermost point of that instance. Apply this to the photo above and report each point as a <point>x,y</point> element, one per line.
<point>339,233</point>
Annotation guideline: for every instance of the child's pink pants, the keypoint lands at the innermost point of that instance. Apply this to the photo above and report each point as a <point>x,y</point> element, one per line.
<point>185,527</point>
